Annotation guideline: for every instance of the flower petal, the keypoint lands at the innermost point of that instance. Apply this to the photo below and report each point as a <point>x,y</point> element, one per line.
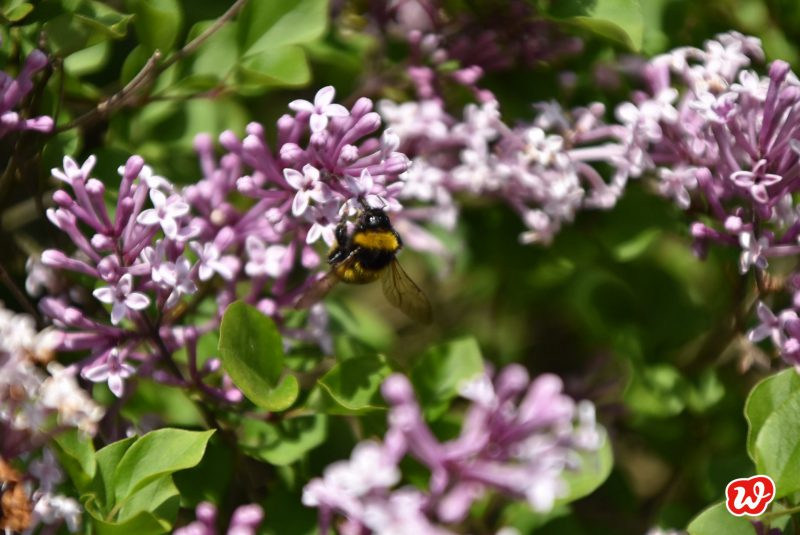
<point>336,110</point>
<point>295,178</point>
<point>318,122</point>
<point>301,105</point>
<point>104,294</point>
<point>137,301</point>
<point>324,97</point>
<point>300,203</point>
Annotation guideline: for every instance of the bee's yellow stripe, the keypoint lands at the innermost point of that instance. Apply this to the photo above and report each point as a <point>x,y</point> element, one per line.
<point>376,239</point>
<point>354,273</point>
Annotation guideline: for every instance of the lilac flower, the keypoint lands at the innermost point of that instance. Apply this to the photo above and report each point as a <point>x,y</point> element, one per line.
<point>518,437</point>
<point>264,261</point>
<point>165,212</point>
<point>245,521</point>
<point>308,186</point>
<point>172,242</point>
<point>113,371</point>
<point>322,108</point>
<point>13,91</point>
<point>121,298</point>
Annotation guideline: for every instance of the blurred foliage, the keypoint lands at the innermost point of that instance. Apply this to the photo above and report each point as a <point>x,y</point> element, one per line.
<point>618,305</point>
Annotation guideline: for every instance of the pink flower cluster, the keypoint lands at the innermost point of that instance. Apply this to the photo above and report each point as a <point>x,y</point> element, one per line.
<point>518,438</point>
<point>255,216</point>
<point>14,90</point>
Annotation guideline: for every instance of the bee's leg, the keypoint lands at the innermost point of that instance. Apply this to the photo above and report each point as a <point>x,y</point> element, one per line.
<point>341,250</point>
<point>341,234</point>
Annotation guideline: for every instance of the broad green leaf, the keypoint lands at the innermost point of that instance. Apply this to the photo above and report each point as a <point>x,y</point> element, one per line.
<point>716,520</point>
<point>252,354</point>
<point>107,460</point>
<point>265,26</point>
<point>284,442</point>
<point>777,446</point>
<point>156,454</point>
<point>91,23</point>
<point>209,480</point>
<point>618,20</point>
<point>89,60</point>
<point>594,469</point>
<point>157,22</point>
<point>77,456</point>
<point>218,55</point>
<point>142,524</point>
<point>354,385</point>
<point>151,498</point>
<point>17,11</point>
<point>764,399</point>
<point>442,370</point>
<point>285,66</point>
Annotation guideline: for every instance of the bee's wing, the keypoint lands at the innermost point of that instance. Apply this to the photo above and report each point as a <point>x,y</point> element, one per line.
<point>401,291</point>
<point>317,291</point>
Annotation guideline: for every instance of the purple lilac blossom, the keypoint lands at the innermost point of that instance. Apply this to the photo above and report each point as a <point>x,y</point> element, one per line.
<point>14,90</point>
<point>545,169</point>
<point>163,248</point>
<point>724,142</point>
<point>35,406</point>
<point>245,521</point>
<point>518,438</point>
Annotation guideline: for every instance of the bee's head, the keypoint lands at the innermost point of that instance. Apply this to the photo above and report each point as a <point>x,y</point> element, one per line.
<point>375,218</point>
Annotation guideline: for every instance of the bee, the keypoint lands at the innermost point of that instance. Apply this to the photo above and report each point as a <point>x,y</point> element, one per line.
<point>366,255</point>
<point>15,507</point>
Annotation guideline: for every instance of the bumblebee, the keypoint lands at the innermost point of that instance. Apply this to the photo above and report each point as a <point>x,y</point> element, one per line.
<point>15,507</point>
<point>366,255</point>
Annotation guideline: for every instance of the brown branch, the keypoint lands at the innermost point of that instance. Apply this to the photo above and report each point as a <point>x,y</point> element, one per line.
<point>151,70</point>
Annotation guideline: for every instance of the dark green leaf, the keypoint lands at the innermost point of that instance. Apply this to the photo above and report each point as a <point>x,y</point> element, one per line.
<point>353,386</point>
<point>252,354</point>
<point>442,370</point>
<point>151,498</point>
<point>157,22</point>
<point>285,442</point>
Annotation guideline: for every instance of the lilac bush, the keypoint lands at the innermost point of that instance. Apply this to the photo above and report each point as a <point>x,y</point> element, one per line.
<point>518,438</point>
<point>163,246</point>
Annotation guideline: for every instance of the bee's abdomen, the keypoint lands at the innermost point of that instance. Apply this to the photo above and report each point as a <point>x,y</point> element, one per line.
<point>374,259</point>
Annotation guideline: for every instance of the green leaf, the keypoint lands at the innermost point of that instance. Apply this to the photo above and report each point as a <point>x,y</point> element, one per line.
<point>594,469</point>
<point>442,370</point>
<point>657,391</point>
<point>142,524</point>
<point>252,354</point>
<point>77,456</point>
<point>764,399</point>
<point>108,459</point>
<point>265,26</point>
<point>17,12</point>
<point>88,60</point>
<point>353,386</point>
<point>159,493</point>
<point>285,66</point>
<point>219,54</point>
<point>285,442</point>
<point>618,20</point>
<point>716,520</point>
<point>157,22</point>
<point>777,446</point>
<point>156,454</point>
<point>90,23</point>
